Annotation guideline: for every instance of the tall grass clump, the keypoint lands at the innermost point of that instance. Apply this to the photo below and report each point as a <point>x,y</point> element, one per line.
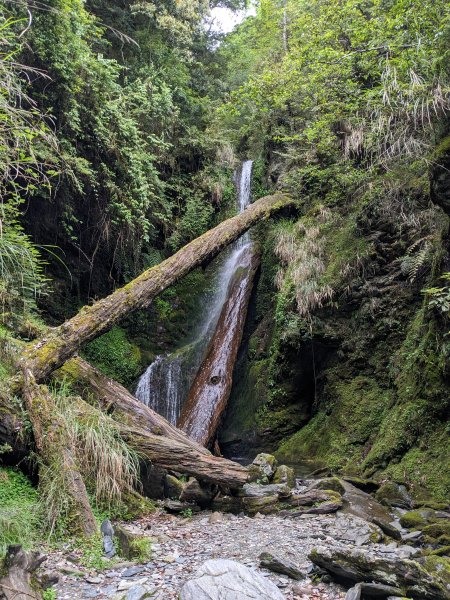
<point>108,466</point>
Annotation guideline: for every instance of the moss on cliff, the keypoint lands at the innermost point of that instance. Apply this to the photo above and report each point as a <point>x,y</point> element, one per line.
<point>115,355</point>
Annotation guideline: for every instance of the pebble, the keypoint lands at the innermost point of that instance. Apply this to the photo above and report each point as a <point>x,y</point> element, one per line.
<point>132,571</point>
<point>94,579</point>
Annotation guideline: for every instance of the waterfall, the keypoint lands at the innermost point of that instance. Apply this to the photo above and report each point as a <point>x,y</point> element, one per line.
<point>166,383</point>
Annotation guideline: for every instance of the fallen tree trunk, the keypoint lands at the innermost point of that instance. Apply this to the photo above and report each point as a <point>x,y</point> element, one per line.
<point>209,393</point>
<point>63,342</point>
<point>118,402</point>
<point>56,454</point>
<point>153,438</point>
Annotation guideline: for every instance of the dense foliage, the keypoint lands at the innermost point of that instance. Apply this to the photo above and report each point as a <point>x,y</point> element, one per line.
<point>104,147</point>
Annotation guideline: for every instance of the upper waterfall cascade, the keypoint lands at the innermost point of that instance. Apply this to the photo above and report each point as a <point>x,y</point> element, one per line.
<point>165,384</point>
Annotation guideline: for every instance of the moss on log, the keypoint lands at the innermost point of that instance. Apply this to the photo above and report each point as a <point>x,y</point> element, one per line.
<point>154,438</point>
<point>62,342</point>
<point>56,454</point>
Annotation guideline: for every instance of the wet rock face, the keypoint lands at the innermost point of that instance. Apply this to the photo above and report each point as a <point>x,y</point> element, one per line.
<point>226,579</point>
<point>382,568</point>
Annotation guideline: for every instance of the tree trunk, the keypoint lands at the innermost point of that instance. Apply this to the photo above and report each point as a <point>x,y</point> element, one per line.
<point>117,401</point>
<point>154,438</point>
<point>63,342</point>
<point>55,451</point>
<point>18,581</point>
<point>209,393</point>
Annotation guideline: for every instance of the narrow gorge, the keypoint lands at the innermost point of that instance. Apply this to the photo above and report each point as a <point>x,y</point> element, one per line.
<point>224,300</point>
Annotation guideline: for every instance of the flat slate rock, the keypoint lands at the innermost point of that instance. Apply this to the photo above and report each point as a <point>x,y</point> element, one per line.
<point>280,565</point>
<point>229,580</point>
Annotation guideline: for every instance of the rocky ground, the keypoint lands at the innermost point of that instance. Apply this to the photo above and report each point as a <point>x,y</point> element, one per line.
<point>363,540</point>
<point>181,545</point>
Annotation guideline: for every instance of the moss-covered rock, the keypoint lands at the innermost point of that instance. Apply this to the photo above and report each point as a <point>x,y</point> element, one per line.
<point>438,566</point>
<point>330,483</point>
<point>436,530</point>
<point>391,494</point>
<point>263,467</point>
<point>284,474</point>
<point>413,519</point>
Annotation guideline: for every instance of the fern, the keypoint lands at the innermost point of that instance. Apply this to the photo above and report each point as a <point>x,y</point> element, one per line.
<point>416,259</point>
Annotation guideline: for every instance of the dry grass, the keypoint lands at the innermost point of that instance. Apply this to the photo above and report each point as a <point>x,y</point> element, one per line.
<point>108,466</point>
<point>302,254</point>
<point>399,125</point>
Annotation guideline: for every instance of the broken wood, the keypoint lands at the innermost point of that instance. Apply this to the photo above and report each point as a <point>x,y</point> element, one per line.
<point>209,393</point>
<point>19,581</point>
<point>62,342</point>
<point>57,456</point>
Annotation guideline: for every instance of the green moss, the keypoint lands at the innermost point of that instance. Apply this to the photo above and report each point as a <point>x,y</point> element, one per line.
<point>331,483</point>
<point>423,468</point>
<point>338,436</point>
<point>438,566</point>
<point>444,551</point>
<point>19,510</point>
<point>141,548</point>
<point>343,247</point>
<point>437,529</point>
<point>413,519</point>
<point>115,356</point>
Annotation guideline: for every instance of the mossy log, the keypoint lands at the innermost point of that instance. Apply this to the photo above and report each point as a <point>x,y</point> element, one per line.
<point>56,454</point>
<point>154,438</point>
<point>118,402</point>
<point>62,342</point>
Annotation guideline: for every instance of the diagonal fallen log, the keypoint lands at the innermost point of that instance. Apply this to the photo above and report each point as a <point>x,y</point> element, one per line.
<point>49,353</point>
<point>64,341</point>
<point>209,393</point>
<point>154,438</point>
<point>118,402</point>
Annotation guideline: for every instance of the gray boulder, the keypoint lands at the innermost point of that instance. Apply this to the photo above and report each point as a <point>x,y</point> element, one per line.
<point>229,580</point>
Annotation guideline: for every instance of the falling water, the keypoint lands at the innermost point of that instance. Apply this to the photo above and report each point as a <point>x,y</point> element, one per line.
<point>166,382</point>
